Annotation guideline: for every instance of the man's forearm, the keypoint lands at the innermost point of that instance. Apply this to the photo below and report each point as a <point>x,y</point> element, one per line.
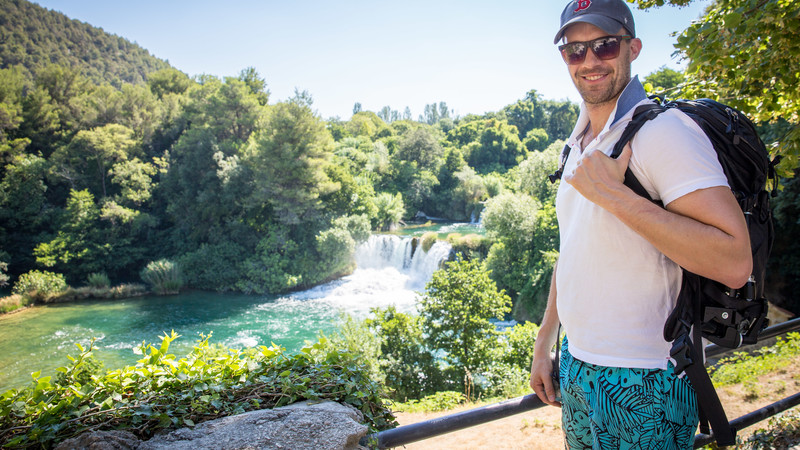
<point>548,329</point>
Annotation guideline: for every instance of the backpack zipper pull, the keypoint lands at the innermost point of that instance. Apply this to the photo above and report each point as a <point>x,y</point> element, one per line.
<point>733,125</point>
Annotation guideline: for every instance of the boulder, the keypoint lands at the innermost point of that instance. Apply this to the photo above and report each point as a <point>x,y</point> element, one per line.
<point>303,425</point>
<point>102,440</point>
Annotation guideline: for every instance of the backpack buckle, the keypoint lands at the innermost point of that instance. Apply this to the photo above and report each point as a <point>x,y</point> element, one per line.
<point>555,176</point>
<point>681,353</point>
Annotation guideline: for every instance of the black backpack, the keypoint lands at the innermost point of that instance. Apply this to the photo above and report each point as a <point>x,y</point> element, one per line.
<point>705,308</point>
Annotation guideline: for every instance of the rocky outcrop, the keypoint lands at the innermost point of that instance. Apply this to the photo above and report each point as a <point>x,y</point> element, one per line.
<point>303,425</point>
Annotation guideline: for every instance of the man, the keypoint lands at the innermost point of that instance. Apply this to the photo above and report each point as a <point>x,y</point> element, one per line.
<point>618,273</point>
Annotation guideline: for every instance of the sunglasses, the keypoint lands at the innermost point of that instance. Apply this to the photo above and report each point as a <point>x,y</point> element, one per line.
<point>604,48</point>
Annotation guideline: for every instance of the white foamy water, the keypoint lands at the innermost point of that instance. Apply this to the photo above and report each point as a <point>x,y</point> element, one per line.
<point>390,271</point>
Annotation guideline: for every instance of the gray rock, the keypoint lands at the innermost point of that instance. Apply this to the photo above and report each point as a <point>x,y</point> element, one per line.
<point>102,440</point>
<point>303,425</point>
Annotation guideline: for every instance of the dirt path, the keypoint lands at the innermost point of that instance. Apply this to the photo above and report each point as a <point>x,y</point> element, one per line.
<point>541,428</point>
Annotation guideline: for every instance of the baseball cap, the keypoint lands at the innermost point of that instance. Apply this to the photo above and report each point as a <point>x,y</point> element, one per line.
<point>608,15</point>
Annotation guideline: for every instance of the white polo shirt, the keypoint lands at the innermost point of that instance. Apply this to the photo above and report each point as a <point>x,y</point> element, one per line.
<point>614,289</point>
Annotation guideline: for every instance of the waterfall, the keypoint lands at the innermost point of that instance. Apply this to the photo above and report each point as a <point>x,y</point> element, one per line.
<point>390,271</point>
<point>403,254</point>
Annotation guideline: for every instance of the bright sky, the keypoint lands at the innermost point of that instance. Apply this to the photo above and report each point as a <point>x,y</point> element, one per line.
<point>477,56</point>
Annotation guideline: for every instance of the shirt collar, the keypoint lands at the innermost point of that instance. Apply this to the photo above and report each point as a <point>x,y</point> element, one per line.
<point>632,95</point>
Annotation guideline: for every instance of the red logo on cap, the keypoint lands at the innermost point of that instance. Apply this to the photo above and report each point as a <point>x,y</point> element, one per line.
<point>583,4</point>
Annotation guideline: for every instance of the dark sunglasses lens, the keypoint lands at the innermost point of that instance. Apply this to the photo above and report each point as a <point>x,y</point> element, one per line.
<point>606,48</point>
<point>574,53</point>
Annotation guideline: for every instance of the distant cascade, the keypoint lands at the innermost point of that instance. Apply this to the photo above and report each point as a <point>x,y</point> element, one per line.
<point>404,254</point>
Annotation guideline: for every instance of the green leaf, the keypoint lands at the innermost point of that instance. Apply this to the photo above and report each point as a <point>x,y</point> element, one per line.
<point>732,20</point>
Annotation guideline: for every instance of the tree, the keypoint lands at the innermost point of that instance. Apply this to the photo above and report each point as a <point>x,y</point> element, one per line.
<point>536,140</point>
<point>367,123</point>
<point>498,148</point>
<point>390,210</point>
<point>526,114</point>
<point>257,85</point>
<point>12,86</point>
<point>24,210</point>
<point>746,53</point>
<point>468,193</point>
<point>523,255</point>
<point>288,159</point>
<point>410,369</point>
<point>86,161</point>
<point>532,173</point>
<point>79,247</point>
<point>168,81</point>
<point>456,309</point>
<point>561,118</point>
<point>135,179</point>
<point>421,144</point>
<point>665,81</point>
<point>205,187</point>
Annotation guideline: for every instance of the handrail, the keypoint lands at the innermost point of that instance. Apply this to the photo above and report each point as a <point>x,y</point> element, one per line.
<point>407,434</point>
<point>752,418</point>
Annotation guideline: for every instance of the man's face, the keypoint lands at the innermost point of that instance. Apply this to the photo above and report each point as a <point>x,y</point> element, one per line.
<point>601,81</point>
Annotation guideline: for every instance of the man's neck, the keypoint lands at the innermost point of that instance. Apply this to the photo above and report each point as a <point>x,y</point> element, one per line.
<point>599,114</point>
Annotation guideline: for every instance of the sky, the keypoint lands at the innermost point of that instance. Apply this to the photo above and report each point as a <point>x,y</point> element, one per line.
<point>477,56</point>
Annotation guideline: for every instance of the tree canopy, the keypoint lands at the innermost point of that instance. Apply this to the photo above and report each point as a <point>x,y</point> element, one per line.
<point>746,53</point>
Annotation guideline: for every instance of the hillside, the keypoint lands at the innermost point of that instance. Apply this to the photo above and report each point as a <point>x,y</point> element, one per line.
<point>34,37</point>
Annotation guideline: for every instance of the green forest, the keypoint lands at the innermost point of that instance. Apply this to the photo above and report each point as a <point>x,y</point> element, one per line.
<point>113,160</point>
<point>106,171</point>
<point>116,166</point>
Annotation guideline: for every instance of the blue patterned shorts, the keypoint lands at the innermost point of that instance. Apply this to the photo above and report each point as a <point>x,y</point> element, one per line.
<point>618,408</point>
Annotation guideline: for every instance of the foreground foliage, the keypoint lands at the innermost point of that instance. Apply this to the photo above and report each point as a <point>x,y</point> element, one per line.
<point>454,343</point>
<point>782,432</point>
<point>163,392</point>
<point>748,369</point>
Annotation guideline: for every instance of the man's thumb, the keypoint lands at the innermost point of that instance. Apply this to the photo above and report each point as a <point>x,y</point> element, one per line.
<point>625,156</point>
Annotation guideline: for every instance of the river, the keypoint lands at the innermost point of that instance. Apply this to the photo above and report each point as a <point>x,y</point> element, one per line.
<point>388,273</point>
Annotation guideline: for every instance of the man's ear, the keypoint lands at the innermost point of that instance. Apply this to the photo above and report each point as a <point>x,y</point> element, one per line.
<point>636,47</point>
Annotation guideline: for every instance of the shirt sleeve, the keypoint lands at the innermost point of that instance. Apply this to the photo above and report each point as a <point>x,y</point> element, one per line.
<point>672,157</point>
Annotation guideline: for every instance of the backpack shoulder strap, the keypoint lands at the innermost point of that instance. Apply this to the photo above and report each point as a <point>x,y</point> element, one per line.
<point>710,407</point>
<point>641,115</point>
<point>562,162</point>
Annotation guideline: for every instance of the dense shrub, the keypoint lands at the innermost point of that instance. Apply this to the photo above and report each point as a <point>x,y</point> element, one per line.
<point>39,284</point>
<point>408,366</point>
<point>13,303</point>
<point>164,276</point>
<point>428,239</point>
<point>98,280</point>
<point>213,267</point>
<point>470,245</point>
<point>162,392</point>
<point>783,432</point>
<point>336,249</point>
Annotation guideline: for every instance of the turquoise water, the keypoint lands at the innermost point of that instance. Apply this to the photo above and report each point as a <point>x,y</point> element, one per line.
<point>38,339</point>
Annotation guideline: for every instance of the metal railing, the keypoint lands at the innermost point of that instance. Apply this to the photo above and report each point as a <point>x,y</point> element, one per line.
<point>407,434</point>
